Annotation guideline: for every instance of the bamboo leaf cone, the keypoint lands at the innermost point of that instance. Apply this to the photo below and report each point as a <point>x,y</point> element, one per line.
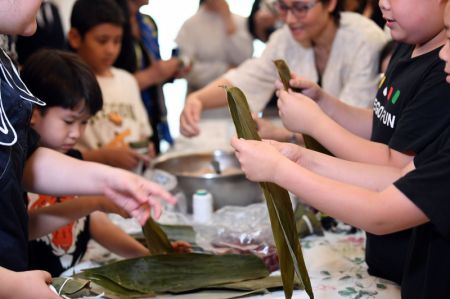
<point>285,75</point>
<point>156,238</point>
<point>278,203</point>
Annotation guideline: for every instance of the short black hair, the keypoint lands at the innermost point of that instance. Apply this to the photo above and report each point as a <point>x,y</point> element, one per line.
<point>62,79</point>
<point>87,14</point>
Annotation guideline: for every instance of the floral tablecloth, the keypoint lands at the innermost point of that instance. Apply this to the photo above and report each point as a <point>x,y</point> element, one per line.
<point>337,269</point>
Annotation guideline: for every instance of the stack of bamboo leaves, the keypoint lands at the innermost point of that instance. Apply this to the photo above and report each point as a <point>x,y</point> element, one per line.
<point>168,272</point>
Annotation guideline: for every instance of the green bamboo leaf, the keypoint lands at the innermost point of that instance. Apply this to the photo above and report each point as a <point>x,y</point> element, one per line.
<point>156,238</point>
<point>285,77</point>
<point>69,286</point>
<point>176,273</point>
<point>278,204</point>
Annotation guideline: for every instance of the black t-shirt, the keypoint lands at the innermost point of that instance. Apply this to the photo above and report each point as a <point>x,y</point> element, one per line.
<point>410,110</point>
<point>428,259</point>
<point>17,143</point>
<point>63,248</point>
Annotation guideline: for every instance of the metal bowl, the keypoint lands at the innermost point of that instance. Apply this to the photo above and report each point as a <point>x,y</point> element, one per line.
<point>218,172</point>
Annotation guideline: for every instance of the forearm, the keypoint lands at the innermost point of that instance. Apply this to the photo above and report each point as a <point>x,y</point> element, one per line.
<point>354,119</point>
<point>102,230</point>
<point>6,287</point>
<point>147,77</point>
<point>50,172</point>
<point>372,177</point>
<point>346,145</point>
<point>230,25</point>
<point>157,73</point>
<point>376,212</point>
<point>45,220</point>
<point>213,95</point>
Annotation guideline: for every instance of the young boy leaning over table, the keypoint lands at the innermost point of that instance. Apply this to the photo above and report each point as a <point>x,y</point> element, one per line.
<point>378,199</point>
<point>63,226</point>
<point>24,166</point>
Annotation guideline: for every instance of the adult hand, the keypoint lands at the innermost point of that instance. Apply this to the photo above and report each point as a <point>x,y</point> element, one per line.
<point>27,284</point>
<point>298,112</point>
<point>259,160</point>
<point>190,116</point>
<point>136,195</point>
<point>162,70</point>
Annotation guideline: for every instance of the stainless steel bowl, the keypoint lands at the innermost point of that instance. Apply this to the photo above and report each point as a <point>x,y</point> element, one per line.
<point>218,172</point>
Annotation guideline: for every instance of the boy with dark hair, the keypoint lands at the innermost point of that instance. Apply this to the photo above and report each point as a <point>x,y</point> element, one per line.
<point>96,35</point>
<point>63,226</point>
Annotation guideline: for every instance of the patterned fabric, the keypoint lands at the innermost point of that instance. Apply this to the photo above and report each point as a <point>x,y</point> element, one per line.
<point>153,97</point>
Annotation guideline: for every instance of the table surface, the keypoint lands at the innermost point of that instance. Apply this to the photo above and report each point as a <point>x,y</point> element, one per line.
<point>335,261</point>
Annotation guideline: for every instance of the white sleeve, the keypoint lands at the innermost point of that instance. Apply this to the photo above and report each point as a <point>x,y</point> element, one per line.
<point>256,77</point>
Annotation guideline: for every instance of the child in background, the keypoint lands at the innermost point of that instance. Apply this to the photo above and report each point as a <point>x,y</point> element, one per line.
<point>410,110</point>
<point>23,166</point>
<point>96,35</point>
<point>364,195</point>
<point>72,96</point>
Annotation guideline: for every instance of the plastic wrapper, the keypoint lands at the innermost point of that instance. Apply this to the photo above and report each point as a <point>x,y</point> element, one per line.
<point>240,230</point>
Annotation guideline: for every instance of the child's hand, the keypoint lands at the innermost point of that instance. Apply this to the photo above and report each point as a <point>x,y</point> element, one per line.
<point>107,206</point>
<point>136,195</point>
<point>122,157</point>
<point>181,246</point>
<point>298,112</point>
<point>258,159</point>
<point>291,151</point>
<point>309,88</point>
<point>25,285</point>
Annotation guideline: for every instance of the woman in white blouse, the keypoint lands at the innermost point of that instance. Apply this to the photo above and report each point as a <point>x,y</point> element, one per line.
<point>339,50</point>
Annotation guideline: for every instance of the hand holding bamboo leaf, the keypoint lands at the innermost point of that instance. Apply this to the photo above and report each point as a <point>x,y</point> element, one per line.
<point>278,204</point>
<point>285,76</point>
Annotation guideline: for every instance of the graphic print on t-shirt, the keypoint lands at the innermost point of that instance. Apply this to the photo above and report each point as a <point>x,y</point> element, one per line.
<point>10,81</point>
<point>390,96</point>
<point>62,241</point>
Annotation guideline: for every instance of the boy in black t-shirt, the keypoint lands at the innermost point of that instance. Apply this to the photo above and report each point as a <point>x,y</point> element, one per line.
<point>364,195</point>
<point>410,110</point>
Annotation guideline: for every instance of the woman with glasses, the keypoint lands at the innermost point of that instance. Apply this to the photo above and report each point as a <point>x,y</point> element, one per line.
<point>339,50</point>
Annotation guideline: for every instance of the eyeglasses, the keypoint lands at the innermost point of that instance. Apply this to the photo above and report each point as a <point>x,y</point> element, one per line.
<point>298,8</point>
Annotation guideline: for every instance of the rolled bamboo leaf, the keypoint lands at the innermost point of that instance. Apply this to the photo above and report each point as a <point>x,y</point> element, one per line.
<point>69,286</point>
<point>278,204</point>
<point>285,76</point>
<point>176,273</point>
<point>156,238</point>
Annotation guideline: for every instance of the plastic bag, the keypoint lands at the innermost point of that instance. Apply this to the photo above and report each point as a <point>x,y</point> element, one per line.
<point>240,230</point>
